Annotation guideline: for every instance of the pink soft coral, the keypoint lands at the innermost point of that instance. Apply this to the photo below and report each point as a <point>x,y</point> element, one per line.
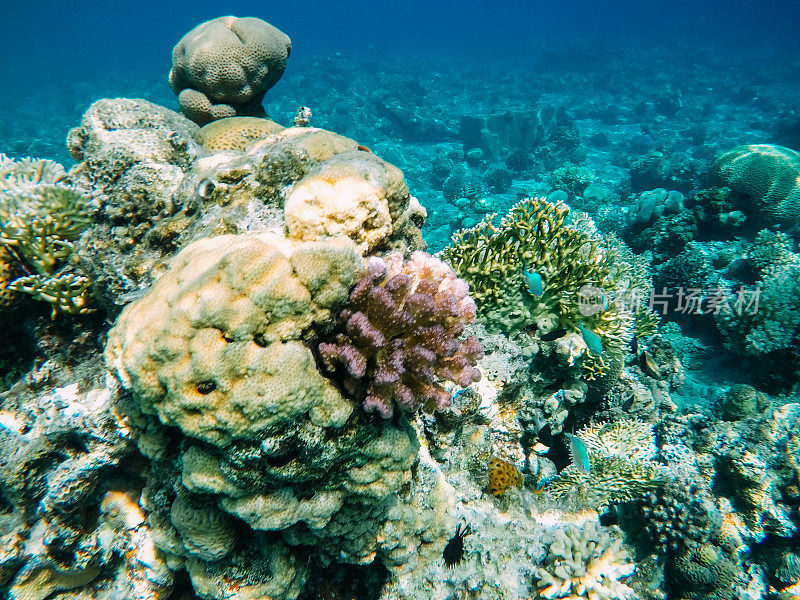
<point>400,335</point>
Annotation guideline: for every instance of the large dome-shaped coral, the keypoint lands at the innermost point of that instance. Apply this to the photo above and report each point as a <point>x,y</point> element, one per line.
<point>768,176</point>
<point>215,347</point>
<point>223,67</point>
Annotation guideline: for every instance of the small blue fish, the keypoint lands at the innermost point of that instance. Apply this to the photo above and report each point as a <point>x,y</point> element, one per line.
<point>534,282</point>
<point>593,341</point>
<point>580,456</point>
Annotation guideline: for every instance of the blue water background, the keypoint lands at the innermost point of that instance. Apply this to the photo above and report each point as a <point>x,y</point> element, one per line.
<point>44,44</point>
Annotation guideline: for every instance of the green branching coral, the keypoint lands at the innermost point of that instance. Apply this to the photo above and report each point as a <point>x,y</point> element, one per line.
<point>634,280</point>
<point>40,222</point>
<point>534,236</point>
<point>67,293</point>
<point>537,270</point>
<point>40,219</point>
<point>620,465</point>
<point>572,179</point>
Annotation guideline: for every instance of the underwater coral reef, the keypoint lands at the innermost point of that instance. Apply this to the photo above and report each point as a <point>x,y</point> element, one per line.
<point>477,358</point>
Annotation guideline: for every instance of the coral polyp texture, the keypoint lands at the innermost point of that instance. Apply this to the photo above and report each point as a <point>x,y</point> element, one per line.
<point>400,335</point>
<point>679,515</point>
<point>235,133</point>
<point>41,217</point>
<point>164,183</point>
<point>767,176</point>
<point>287,398</point>
<point>769,321</point>
<point>223,67</point>
<point>216,346</point>
<point>353,193</point>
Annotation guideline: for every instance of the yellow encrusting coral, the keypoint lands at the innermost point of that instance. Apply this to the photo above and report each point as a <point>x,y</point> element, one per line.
<point>352,193</point>
<point>502,476</point>
<point>235,133</point>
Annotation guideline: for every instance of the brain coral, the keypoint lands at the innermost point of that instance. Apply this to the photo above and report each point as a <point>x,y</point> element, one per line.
<point>215,347</point>
<point>223,67</point>
<point>768,176</point>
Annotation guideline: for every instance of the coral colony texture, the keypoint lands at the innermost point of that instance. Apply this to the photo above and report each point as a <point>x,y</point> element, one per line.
<point>555,356</point>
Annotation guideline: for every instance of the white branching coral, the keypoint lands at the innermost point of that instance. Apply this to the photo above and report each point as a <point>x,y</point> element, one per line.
<point>585,562</point>
<point>621,465</point>
<point>629,439</point>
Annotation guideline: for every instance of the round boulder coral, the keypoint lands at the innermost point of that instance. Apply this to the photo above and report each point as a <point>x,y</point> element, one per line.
<point>354,193</point>
<point>768,176</point>
<point>223,67</point>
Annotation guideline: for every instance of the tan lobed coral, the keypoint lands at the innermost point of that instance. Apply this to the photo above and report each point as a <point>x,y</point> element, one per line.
<point>353,193</point>
<point>215,348</point>
<point>267,571</point>
<point>235,133</point>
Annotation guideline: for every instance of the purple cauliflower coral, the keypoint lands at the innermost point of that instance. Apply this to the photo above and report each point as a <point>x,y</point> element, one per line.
<point>400,335</point>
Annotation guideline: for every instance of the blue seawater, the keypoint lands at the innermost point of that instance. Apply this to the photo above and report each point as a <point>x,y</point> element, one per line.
<point>606,105</point>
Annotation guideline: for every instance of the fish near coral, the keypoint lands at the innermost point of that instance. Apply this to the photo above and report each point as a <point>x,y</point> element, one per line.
<point>593,341</point>
<point>502,476</point>
<point>534,283</point>
<point>649,365</point>
<point>580,456</point>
